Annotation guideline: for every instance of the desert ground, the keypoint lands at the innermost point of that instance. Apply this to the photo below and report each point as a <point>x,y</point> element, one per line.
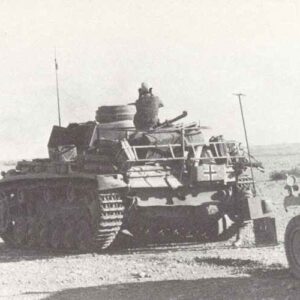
<point>186,271</point>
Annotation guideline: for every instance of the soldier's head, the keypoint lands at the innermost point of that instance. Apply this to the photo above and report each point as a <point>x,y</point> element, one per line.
<point>144,88</point>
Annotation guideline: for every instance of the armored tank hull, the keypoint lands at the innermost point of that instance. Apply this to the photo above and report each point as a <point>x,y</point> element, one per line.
<point>86,212</point>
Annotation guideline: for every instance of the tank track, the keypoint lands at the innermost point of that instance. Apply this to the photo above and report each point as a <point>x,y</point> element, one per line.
<point>59,214</point>
<point>161,232</point>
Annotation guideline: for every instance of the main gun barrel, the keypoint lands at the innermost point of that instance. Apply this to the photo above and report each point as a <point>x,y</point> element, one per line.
<point>168,122</point>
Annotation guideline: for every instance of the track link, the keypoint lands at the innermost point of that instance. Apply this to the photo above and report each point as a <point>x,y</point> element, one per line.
<point>111,219</point>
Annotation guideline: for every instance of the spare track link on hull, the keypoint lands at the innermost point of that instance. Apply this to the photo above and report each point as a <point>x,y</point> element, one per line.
<point>59,214</point>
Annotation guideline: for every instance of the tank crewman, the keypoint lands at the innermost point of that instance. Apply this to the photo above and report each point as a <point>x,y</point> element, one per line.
<point>147,107</point>
<point>144,90</point>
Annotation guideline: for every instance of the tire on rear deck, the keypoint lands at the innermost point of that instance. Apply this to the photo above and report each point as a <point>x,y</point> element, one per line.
<point>292,245</point>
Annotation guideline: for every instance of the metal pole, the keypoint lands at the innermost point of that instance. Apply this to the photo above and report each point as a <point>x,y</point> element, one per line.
<point>57,89</point>
<point>246,137</point>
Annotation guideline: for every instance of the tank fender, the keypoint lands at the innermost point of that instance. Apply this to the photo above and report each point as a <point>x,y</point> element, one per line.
<point>111,182</point>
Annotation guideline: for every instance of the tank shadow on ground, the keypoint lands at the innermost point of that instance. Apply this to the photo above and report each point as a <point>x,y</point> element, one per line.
<point>271,284</point>
<point>167,247</point>
<point>125,245</point>
<point>10,254</point>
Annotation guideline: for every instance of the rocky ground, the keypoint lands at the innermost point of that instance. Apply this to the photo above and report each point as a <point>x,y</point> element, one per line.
<point>188,271</point>
<point>213,271</point>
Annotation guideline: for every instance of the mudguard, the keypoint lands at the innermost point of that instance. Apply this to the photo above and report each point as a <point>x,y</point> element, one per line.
<point>111,182</point>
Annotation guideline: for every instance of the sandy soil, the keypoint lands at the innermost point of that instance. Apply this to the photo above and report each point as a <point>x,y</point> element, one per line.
<point>189,271</point>
<point>212,271</point>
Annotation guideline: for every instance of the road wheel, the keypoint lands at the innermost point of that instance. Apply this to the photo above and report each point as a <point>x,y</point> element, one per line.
<point>84,237</point>
<point>69,240</point>
<point>20,230</point>
<point>292,245</point>
<point>56,235</point>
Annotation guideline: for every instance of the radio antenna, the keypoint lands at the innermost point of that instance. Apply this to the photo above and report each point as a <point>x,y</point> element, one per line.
<point>239,95</point>
<point>57,88</point>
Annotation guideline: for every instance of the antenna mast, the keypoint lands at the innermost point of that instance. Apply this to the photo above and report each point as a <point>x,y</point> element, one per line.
<point>57,89</point>
<point>239,95</point>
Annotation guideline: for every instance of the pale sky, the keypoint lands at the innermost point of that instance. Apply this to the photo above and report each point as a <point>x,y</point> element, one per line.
<point>195,54</point>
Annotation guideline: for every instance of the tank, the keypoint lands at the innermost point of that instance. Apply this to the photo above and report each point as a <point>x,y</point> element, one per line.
<point>104,178</point>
